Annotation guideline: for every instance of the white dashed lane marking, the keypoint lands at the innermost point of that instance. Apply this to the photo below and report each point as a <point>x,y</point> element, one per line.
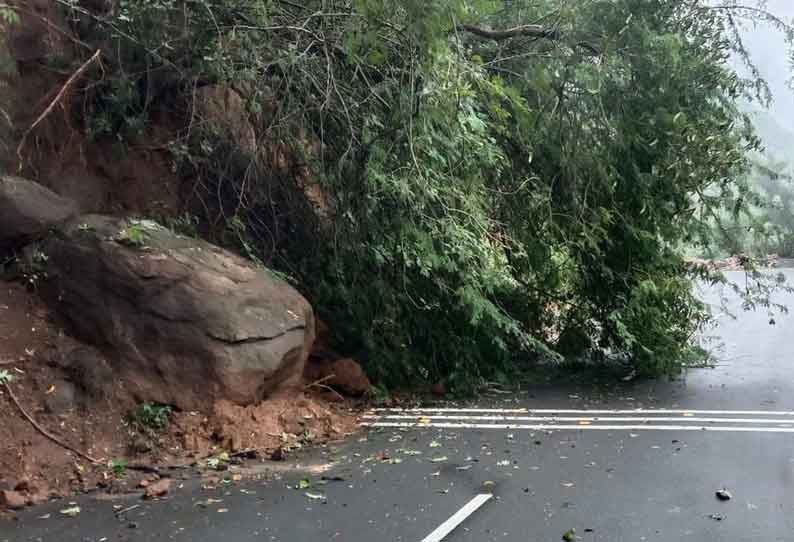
<point>459,517</point>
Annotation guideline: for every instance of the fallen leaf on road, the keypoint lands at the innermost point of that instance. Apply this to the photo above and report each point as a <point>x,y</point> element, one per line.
<point>315,496</point>
<point>464,467</point>
<point>72,511</point>
<point>435,444</point>
<point>304,484</point>
<point>424,420</point>
<point>569,535</point>
<point>45,516</point>
<point>222,510</point>
<point>568,484</point>
<point>488,484</point>
<point>439,459</point>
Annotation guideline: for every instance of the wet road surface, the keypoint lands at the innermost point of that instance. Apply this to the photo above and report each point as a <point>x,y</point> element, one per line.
<point>630,462</point>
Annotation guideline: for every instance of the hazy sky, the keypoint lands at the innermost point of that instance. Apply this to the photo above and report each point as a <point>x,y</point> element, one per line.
<point>769,53</point>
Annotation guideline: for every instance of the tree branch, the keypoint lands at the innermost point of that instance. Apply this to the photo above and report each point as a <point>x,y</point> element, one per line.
<point>531,30</point>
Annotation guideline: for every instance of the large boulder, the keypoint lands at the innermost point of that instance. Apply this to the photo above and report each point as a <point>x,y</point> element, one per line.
<point>181,321</point>
<point>28,210</point>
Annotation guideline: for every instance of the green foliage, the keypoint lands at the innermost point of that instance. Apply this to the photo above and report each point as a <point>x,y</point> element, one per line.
<point>150,416</point>
<point>8,15</point>
<point>136,232</point>
<point>493,200</point>
<point>119,466</point>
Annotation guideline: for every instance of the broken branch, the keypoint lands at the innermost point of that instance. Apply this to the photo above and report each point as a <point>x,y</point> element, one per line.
<point>43,431</point>
<point>56,101</point>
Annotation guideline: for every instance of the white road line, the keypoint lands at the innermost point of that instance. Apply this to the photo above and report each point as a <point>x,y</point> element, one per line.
<point>584,411</point>
<point>459,517</point>
<point>549,427</point>
<point>637,419</point>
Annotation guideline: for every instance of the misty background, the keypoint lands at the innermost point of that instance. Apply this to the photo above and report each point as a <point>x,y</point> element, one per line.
<point>768,51</point>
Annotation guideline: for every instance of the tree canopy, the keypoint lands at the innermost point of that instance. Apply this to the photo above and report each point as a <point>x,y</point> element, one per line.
<point>509,179</point>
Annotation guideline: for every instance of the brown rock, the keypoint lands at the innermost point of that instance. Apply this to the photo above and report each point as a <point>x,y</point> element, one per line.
<point>438,388</point>
<point>157,489</point>
<point>188,323</point>
<point>13,500</point>
<point>346,375</point>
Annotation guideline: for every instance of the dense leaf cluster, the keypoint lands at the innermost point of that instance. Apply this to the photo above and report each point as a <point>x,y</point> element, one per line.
<point>508,179</point>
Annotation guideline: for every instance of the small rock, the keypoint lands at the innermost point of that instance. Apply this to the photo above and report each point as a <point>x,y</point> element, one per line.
<point>62,399</point>
<point>278,454</point>
<point>157,489</point>
<point>724,495</point>
<point>13,500</point>
<point>140,445</point>
<point>23,484</point>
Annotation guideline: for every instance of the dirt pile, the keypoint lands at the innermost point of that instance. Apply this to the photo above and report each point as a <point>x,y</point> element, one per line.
<point>33,350</point>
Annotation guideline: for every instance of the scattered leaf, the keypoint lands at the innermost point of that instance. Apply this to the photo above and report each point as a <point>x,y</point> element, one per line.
<point>439,459</point>
<point>435,444</point>
<point>50,390</point>
<point>315,496</point>
<point>569,535</point>
<point>304,484</point>
<point>222,510</point>
<point>72,511</point>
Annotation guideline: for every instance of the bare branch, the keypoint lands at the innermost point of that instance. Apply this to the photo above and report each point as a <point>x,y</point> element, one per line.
<point>529,30</point>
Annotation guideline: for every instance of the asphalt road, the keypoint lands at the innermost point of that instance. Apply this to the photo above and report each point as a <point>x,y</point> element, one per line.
<point>631,462</point>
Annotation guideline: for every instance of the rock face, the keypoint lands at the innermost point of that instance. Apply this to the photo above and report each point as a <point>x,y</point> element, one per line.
<point>182,321</point>
<point>28,210</point>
